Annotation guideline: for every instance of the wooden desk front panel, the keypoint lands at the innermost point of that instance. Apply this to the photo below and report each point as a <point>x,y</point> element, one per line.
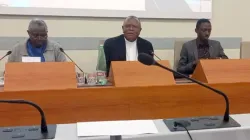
<point>98,104</point>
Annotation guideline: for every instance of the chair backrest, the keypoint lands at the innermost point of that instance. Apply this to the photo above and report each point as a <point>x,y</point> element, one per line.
<point>177,50</point>
<point>245,50</point>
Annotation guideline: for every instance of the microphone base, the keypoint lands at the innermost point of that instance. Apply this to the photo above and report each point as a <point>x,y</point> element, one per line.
<point>200,123</point>
<point>27,133</point>
<point>119,137</point>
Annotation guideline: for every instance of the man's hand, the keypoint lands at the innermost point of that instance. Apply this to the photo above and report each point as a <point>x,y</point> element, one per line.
<point>195,62</point>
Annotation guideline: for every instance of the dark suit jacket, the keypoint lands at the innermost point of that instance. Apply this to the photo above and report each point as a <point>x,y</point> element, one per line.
<point>189,54</point>
<point>115,49</point>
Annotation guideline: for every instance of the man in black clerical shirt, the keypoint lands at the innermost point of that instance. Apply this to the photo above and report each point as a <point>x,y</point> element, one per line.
<point>200,48</point>
<point>127,46</point>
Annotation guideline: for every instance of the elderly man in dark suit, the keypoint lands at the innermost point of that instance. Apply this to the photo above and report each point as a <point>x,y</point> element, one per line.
<point>200,48</point>
<point>127,46</point>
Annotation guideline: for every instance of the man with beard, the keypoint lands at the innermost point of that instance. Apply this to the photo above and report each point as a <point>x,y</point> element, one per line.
<point>37,45</point>
<point>127,46</point>
<point>200,48</point>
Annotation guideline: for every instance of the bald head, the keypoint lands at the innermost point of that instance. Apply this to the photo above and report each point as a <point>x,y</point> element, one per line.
<point>131,28</point>
<point>37,31</point>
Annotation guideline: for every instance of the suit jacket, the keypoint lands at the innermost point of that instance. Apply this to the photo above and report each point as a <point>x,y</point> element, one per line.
<point>115,49</point>
<point>189,54</point>
<point>52,52</point>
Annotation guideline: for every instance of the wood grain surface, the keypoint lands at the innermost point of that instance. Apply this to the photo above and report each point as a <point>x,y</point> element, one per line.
<point>39,76</point>
<point>125,103</point>
<point>223,71</point>
<point>133,73</point>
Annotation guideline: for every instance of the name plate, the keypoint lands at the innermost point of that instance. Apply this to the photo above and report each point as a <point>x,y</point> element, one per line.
<point>31,59</point>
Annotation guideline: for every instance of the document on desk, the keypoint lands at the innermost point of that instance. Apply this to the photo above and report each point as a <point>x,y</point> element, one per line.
<point>104,128</point>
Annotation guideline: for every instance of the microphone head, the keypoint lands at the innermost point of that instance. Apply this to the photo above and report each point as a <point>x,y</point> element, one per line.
<point>61,49</point>
<point>146,59</point>
<point>151,52</point>
<point>9,52</point>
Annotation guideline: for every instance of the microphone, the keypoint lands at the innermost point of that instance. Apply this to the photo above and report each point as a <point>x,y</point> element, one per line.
<point>227,120</point>
<point>61,49</point>
<point>28,132</point>
<point>152,52</point>
<point>8,53</point>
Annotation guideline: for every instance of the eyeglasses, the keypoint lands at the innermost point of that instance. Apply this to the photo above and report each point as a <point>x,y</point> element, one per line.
<point>38,35</point>
<point>131,27</point>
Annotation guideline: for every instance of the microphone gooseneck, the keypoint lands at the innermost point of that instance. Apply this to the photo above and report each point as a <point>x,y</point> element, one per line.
<point>61,49</point>
<point>149,60</point>
<point>44,128</point>
<point>152,52</point>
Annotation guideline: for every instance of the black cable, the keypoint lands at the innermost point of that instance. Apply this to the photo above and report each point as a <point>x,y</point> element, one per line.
<point>181,125</point>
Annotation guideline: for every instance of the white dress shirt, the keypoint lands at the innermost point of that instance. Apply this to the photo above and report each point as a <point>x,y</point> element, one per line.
<point>131,50</point>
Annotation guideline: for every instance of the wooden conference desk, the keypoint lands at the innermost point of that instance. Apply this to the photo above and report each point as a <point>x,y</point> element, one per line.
<point>124,103</point>
<point>153,97</point>
<point>178,81</point>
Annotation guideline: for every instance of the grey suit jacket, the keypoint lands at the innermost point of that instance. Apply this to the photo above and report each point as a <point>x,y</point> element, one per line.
<point>51,54</point>
<point>189,54</point>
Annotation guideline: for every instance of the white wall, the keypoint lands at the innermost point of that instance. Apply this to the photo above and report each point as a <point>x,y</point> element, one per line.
<point>231,18</point>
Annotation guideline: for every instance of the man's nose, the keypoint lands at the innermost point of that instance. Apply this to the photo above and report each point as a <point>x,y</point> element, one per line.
<point>131,28</point>
<point>40,37</point>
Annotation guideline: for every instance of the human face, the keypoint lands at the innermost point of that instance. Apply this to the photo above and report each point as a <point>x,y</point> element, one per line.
<point>204,31</point>
<point>38,37</point>
<point>131,29</point>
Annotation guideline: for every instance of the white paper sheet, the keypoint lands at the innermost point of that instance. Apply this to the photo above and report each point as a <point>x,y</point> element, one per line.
<point>116,128</point>
<point>31,59</point>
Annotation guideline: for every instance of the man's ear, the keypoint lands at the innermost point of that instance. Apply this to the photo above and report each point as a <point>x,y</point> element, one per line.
<point>196,30</point>
<point>123,29</point>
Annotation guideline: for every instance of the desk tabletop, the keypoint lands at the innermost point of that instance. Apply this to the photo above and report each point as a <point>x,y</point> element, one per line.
<point>69,132</point>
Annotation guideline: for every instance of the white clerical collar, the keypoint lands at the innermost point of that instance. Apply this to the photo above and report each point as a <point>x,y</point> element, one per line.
<point>129,42</point>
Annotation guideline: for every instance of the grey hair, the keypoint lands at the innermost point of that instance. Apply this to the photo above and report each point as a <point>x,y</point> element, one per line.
<point>37,23</point>
<point>133,17</point>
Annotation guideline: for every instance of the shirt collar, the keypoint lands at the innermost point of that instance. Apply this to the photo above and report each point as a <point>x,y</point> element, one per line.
<point>24,51</point>
<point>129,42</point>
<point>200,44</point>
<point>48,47</point>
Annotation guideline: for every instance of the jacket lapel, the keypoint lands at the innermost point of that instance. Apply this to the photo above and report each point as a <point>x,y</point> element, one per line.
<point>122,48</point>
<point>138,45</point>
<point>211,49</point>
<point>194,44</point>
